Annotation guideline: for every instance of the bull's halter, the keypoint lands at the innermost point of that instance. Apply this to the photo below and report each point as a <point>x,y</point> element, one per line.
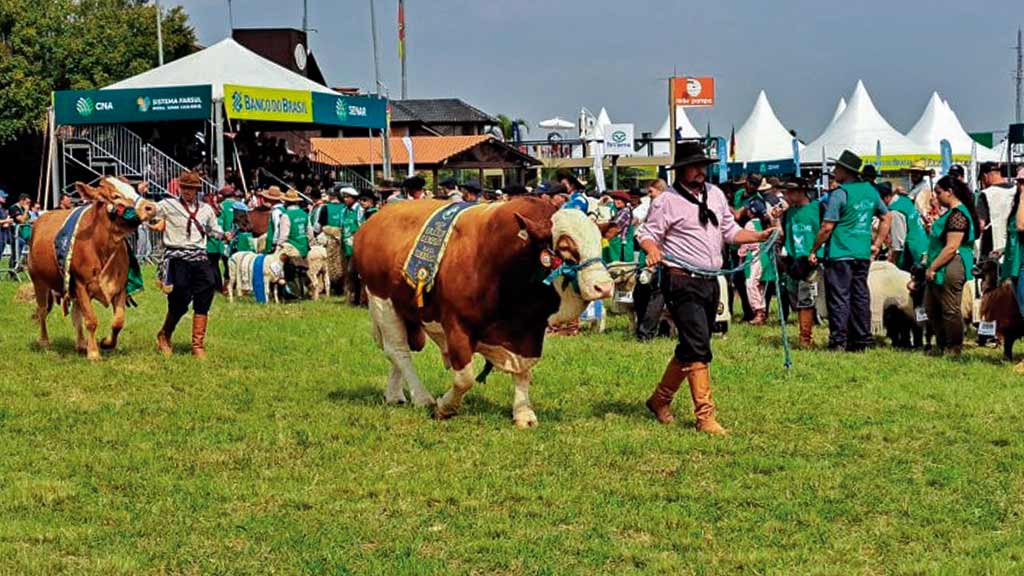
<point>570,271</point>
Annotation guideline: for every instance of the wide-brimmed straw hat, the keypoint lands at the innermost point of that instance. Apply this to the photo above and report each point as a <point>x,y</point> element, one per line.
<point>272,193</point>
<point>291,196</point>
<point>920,165</point>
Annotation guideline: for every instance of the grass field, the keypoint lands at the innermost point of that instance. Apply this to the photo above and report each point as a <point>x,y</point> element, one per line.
<point>278,455</point>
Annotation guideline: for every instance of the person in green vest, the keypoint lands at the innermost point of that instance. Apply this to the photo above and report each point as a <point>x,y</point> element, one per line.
<point>800,225</point>
<point>330,213</point>
<point>218,251</point>
<point>847,231</point>
<point>620,242</point>
<point>351,220</point>
<point>369,204</point>
<point>950,262</point>
<point>759,271</point>
<point>274,236</point>
<point>908,240</point>
<point>298,223</point>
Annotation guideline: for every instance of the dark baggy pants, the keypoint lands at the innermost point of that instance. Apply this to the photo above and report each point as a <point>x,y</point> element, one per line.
<point>353,284</point>
<point>738,286</point>
<point>193,283</point>
<point>692,301</point>
<point>216,258</point>
<point>943,304</point>
<point>648,302</point>
<point>849,304</point>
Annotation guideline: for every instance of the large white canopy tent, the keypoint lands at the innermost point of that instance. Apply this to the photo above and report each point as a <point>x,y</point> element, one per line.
<point>226,62</point>
<point>859,128</point>
<point>762,137</point>
<point>683,126</point>
<point>938,122</point>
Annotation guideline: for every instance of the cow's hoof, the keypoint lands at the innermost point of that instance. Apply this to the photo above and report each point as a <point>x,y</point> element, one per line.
<point>106,344</point>
<point>395,400</point>
<point>442,413</point>
<point>93,356</point>
<point>1019,368</point>
<point>525,419</point>
<point>43,344</point>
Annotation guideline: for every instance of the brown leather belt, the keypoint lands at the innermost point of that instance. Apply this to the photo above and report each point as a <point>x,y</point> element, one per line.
<point>684,273</point>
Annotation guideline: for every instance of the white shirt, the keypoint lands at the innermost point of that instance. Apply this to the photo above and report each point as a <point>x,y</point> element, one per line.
<point>176,232</point>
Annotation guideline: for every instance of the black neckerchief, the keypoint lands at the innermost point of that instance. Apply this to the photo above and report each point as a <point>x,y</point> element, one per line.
<point>704,213</point>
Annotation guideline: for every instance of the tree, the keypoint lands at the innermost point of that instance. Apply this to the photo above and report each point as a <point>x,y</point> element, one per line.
<point>506,124</point>
<point>48,45</point>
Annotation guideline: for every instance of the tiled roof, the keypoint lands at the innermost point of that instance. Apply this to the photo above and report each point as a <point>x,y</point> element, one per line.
<point>438,111</point>
<point>366,151</point>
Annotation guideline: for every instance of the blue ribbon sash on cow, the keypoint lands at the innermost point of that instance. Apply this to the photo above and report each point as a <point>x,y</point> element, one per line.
<point>421,266</point>
<point>259,288</point>
<point>64,245</point>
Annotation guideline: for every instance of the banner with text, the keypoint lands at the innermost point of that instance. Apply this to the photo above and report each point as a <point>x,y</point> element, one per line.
<point>618,140</point>
<point>76,107</point>
<point>268,104</point>
<point>350,110</point>
<point>694,92</point>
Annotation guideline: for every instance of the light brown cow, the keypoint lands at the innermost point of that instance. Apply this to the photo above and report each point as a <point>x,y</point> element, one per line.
<point>99,262</point>
<point>489,296</point>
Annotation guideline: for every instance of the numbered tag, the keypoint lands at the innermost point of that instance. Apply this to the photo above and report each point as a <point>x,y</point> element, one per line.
<point>987,328</point>
<point>921,315</point>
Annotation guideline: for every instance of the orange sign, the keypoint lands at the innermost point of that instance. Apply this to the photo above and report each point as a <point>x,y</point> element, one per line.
<point>693,92</point>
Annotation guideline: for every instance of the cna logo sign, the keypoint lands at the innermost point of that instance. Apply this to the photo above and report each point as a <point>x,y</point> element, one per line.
<point>84,106</point>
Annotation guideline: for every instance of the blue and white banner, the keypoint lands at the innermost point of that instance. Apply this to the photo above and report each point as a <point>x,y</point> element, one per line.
<point>947,156</point>
<point>796,155</point>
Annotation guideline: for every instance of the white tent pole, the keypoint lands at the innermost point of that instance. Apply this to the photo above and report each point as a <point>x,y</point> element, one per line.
<point>54,161</point>
<point>218,122</point>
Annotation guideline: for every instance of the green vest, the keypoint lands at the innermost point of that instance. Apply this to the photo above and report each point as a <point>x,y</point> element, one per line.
<point>917,238</point>
<point>1010,266</point>
<point>801,225</point>
<point>620,250</point>
<point>768,272</point>
<point>737,199</point>
<point>268,245</point>
<point>334,212</point>
<point>851,239</point>
<point>243,243</point>
<point>297,232</point>
<point>369,212</point>
<point>966,249</point>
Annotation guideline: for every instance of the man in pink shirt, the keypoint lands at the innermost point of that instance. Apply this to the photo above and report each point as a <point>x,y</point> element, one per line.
<point>690,223</point>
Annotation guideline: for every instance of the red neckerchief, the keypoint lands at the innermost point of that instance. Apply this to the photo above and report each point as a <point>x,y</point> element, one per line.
<point>191,214</point>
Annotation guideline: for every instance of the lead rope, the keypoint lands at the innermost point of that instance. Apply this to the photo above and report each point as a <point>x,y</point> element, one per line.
<point>768,244</point>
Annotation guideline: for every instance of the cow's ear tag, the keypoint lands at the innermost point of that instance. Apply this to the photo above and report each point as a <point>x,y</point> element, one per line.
<point>545,260</point>
<point>523,235</point>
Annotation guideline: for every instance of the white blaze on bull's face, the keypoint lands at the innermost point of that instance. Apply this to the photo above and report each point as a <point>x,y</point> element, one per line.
<point>576,238</point>
<point>129,198</point>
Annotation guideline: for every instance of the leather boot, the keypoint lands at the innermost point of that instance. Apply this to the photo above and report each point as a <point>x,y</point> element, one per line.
<point>163,337</point>
<point>199,335</point>
<point>661,398</point>
<point>806,319</point>
<point>760,317</point>
<point>703,406</point>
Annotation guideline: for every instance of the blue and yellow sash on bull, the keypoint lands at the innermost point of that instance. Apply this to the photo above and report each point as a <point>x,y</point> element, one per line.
<point>64,245</point>
<point>422,264</point>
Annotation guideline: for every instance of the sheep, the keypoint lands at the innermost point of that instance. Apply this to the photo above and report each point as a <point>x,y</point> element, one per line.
<point>240,270</point>
<point>317,270</point>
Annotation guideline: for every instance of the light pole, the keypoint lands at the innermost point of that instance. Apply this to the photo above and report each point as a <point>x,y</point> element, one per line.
<point>386,133</point>
<point>159,36</point>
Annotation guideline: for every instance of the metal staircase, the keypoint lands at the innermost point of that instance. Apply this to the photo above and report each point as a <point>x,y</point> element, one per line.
<point>323,162</point>
<point>113,150</point>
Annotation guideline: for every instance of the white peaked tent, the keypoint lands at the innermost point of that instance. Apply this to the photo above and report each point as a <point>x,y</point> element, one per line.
<point>603,121</point>
<point>763,137</point>
<point>683,124</point>
<point>840,108</point>
<point>938,122</point>
<point>859,128</point>
<point>226,62</point>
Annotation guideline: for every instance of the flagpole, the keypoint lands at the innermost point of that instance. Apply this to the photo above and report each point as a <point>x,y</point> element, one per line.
<point>159,36</point>
<point>401,46</point>
<point>385,134</point>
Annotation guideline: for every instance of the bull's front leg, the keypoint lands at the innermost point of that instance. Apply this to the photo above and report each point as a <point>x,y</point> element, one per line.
<point>117,323</point>
<point>522,412</point>
<point>88,314</point>
<point>450,403</point>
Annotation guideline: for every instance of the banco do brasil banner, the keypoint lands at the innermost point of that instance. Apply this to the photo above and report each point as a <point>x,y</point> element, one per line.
<point>273,105</point>
<point>268,104</point>
<point>75,107</point>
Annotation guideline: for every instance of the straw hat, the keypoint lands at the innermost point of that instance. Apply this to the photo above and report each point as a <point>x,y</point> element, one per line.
<point>273,193</point>
<point>291,196</point>
<point>920,165</point>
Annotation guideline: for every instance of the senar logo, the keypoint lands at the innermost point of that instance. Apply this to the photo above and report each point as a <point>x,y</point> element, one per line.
<point>341,109</point>
<point>84,106</point>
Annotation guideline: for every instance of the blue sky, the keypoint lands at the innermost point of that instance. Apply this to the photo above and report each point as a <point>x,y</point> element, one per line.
<point>536,59</point>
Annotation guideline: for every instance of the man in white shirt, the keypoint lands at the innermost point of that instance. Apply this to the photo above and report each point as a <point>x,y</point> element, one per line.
<point>994,204</point>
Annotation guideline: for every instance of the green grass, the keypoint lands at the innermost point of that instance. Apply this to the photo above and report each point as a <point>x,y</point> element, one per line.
<point>278,455</point>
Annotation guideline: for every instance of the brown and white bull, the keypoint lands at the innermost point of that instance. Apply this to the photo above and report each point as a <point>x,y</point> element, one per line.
<point>99,262</point>
<point>489,296</point>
